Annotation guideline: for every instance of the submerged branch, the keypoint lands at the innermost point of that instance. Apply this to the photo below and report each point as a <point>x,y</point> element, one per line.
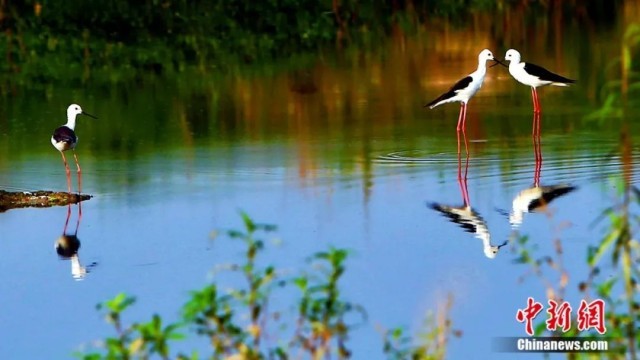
<point>13,200</point>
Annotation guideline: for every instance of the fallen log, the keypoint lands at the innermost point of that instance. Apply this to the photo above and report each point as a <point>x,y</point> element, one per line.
<point>21,199</point>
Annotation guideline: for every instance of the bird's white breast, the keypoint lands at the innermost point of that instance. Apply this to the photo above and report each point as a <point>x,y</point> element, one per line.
<point>518,73</point>
<point>474,86</point>
<point>62,145</point>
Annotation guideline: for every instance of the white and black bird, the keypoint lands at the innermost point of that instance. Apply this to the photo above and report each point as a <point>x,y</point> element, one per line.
<point>472,223</point>
<point>464,89</point>
<point>64,138</point>
<point>68,245</point>
<point>535,199</point>
<point>533,75</point>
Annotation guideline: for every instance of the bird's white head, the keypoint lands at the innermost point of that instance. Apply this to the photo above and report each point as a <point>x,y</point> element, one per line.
<point>491,251</point>
<point>485,55</point>
<point>513,56</point>
<point>73,110</point>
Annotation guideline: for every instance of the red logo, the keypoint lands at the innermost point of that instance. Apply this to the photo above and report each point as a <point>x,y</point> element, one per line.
<point>590,315</point>
<point>528,314</point>
<point>559,316</point>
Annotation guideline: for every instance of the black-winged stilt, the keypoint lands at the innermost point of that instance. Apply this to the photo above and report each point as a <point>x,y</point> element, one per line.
<point>536,197</point>
<point>467,217</point>
<point>533,75</point>
<point>68,245</point>
<point>64,138</point>
<point>463,90</point>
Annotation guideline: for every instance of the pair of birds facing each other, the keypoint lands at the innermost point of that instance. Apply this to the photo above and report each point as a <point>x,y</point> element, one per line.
<point>526,73</point>
<point>64,138</point>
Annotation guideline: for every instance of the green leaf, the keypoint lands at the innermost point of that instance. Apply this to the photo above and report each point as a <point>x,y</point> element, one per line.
<point>604,245</point>
<point>301,282</point>
<point>120,302</point>
<point>248,223</point>
<point>604,289</point>
<point>236,234</point>
<point>540,328</point>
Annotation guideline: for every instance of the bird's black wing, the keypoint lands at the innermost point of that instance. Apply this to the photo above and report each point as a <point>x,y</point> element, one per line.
<point>549,193</point>
<point>463,83</point>
<point>544,74</point>
<point>64,134</point>
<point>466,224</point>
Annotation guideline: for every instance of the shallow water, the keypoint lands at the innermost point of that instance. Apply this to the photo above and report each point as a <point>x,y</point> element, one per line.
<point>353,164</point>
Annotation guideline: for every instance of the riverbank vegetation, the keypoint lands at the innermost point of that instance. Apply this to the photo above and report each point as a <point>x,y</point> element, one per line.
<point>118,41</point>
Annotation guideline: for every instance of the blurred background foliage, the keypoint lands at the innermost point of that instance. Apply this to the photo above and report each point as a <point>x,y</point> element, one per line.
<point>46,41</point>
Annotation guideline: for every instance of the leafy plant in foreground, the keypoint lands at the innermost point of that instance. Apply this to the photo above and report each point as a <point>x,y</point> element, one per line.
<point>322,311</point>
<point>431,342</point>
<point>238,324</point>
<point>619,289</point>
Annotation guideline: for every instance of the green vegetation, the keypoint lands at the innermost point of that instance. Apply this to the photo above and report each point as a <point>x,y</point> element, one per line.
<point>618,253</point>
<point>622,78</point>
<point>115,41</point>
<point>240,323</point>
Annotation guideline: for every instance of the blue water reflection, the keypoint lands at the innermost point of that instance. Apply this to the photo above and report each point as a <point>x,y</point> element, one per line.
<point>362,185</point>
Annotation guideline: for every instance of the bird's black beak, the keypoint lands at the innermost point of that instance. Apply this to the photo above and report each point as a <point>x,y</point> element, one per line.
<point>498,62</point>
<point>503,244</point>
<point>89,115</point>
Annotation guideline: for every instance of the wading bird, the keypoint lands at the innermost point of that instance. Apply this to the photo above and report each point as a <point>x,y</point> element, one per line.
<point>533,75</point>
<point>463,90</point>
<point>466,217</point>
<point>537,197</point>
<point>64,138</point>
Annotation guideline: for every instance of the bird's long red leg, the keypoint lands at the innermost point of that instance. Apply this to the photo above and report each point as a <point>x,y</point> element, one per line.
<point>466,191</point>
<point>538,168</point>
<point>464,127</point>
<point>79,173</point>
<point>462,180</point>
<point>67,170</point>
<point>79,216</point>
<point>533,99</point>
<point>66,223</point>
<point>459,127</point>
<point>537,149</point>
<point>538,121</point>
<point>536,105</point>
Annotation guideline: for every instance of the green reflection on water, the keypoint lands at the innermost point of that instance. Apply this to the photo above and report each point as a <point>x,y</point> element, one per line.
<point>342,109</point>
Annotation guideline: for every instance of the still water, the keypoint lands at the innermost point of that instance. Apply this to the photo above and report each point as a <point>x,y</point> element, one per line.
<point>338,153</point>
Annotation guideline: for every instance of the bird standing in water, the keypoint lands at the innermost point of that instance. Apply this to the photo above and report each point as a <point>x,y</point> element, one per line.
<point>467,217</point>
<point>533,75</point>
<point>64,138</point>
<point>463,90</point>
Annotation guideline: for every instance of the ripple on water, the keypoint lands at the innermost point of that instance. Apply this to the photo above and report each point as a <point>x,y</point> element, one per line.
<point>577,168</point>
<point>416,156</point>
<point>518,166</point>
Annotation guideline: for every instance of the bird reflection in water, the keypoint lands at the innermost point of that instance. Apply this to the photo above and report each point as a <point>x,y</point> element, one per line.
<point>68,244</point>
<point>537,197</point>
<point>466,217</point>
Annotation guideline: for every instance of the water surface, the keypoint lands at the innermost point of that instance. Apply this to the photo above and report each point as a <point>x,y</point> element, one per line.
<point>341,153</point>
